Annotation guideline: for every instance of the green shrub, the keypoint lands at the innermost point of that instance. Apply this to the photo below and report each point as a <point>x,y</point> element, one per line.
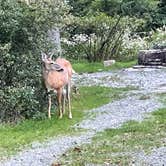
<point>17,103</point>
<point>158,38</point>
<point>23,35</point>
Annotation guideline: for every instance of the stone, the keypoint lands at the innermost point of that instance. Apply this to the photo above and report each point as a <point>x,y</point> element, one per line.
<point>155,57</point>
<point>109,62</point>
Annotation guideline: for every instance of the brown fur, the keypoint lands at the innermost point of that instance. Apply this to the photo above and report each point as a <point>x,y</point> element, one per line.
<point>57,76</point>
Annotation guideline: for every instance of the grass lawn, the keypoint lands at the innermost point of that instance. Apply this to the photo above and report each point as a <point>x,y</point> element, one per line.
<point>112,145</point>
<point>83,67</point>
<point>13,138</point>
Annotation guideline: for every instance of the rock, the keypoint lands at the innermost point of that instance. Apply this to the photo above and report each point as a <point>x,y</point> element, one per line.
<point>56,164</point>
<point>109,62</point>
<point>156,57</point>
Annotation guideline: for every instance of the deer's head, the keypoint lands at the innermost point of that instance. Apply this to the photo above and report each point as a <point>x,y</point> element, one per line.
<point>49,64</point>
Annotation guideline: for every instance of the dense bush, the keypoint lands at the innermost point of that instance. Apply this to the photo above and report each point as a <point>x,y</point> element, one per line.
<point>101,37</point>
<point>157,38</point>
<point>95,38</point>
<point>18,103</point>
<point>23,32</point>
<point>131,44</point>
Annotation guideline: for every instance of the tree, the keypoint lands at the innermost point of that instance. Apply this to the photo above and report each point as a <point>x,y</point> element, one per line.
<point>80,7</point>
<point>159,18</point>
<point>149,10</point>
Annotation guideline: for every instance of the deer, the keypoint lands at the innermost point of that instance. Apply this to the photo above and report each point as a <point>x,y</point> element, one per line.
<point>57,77</point>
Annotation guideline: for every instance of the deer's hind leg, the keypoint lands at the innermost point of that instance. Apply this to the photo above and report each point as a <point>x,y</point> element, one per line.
<point>68,89</point>
<point>63,100</point>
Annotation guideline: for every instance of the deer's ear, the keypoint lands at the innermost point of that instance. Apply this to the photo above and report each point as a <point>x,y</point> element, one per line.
<point>56,67</point>
<point>51,54</point>
<point>43,56</point>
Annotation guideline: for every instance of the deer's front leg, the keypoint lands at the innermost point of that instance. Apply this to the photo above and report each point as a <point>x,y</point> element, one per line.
<point>59,96</point>
<point>63,100</point>
<point>49,106</point>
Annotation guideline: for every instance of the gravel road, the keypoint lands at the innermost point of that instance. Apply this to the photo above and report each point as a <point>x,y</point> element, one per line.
<point>149,81</point>
<point>157,157</point>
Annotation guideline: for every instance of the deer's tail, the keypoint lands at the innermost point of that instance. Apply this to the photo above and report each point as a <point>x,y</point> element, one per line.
<point>73,71</point>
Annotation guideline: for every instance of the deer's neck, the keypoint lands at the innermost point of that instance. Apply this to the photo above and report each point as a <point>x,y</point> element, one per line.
<point>45,73</point>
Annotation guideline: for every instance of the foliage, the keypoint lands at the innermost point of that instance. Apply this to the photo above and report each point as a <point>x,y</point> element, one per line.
<point>96,37</point>
<point>95,26</point>
<point>157,18</point>
<point>79,7</point>
<point>23,34</point>
<point>157,38</point>
<point>132,43</point>
<point>102,37</point>
<point>152,11</point>
<point>17,103</point>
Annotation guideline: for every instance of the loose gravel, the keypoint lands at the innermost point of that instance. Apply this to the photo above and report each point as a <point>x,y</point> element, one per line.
<point>156,158</point>
<point>149,81</point>
<point>146,79</point>
<point>114,114</point>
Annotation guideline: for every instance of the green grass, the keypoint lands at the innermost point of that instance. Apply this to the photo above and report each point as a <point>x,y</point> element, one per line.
<point>83,67</point>
<point>107,147</point>
<point>17,136</point>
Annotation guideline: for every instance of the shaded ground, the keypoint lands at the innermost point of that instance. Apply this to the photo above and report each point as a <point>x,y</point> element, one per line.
<point>134,106</point>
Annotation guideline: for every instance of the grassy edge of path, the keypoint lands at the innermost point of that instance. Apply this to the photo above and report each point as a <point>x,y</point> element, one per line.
<point>117,146</point>
<point>84,67</point>
<point>16,137</point>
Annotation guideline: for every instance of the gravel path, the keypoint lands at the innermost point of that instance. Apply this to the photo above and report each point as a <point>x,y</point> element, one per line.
<point>146,79</point>
<point>44,154</point>
<point>112,115</point>
<point>156,158</point>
